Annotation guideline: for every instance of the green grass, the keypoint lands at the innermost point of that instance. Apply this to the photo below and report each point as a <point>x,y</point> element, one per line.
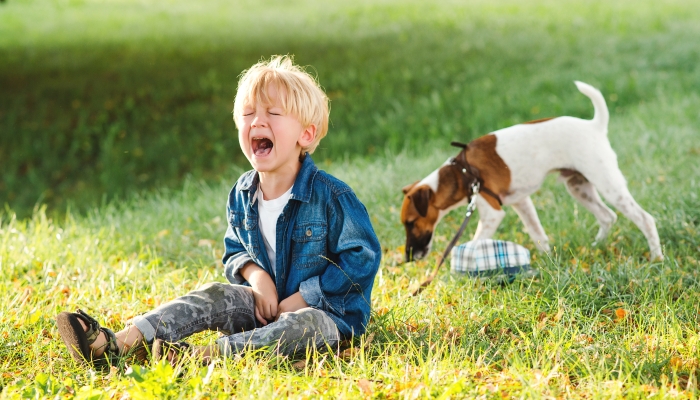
<point>557,335</point>
<point>599,322</point>
<point>103,97</point>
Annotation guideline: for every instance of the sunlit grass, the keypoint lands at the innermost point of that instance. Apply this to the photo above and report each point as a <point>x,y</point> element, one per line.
<point>598,322</point>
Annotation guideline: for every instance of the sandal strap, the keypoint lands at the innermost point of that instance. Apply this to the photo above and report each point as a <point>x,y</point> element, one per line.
<point>93,326</point>
<point>111,346</point>
<point>94,330</point>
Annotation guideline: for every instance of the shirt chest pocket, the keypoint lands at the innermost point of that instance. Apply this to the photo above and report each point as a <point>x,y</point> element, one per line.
<point>245,229</point>
<point>309,247</point>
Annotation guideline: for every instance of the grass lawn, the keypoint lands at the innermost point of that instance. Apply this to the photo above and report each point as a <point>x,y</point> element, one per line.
<point>405,78</point>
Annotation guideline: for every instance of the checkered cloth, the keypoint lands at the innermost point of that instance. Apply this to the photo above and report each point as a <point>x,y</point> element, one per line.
<point>488,257</point>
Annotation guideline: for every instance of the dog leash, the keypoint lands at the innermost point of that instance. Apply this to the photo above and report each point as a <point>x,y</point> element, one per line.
<point>470,211</point>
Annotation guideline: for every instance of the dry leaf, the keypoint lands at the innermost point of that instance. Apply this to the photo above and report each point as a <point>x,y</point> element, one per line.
<point>369,340</point>
<point>365,387</point>
<point>560,314</point>
<point>649,389</point>
<point>585,338</point>
<point>113,371</point>
<point>676,362</point>
<point>620,314</point>
<point>453,334</point>
<point>349,353</point>
<point>484,329</point>
<point>382,311</point>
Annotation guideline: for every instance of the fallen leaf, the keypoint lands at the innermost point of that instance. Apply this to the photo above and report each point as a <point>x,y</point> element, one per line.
<point>382,311</point>
<point>369,340</point>
<point>453,334</point>
<point>620,314</point>
<point>585,338</point>
<point>365,387</point>
<point>113,371</point>
<point>676,362</point>
<point>560,314</point>
<point>349,353</point>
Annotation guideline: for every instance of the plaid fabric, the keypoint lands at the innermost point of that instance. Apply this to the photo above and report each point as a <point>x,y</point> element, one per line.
<point>489,257</point>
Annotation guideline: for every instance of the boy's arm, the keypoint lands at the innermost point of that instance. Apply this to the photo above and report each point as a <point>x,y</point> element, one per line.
<point>235,257</point>
<point>264,292</point>
<point>352,237</point>
<point>239,268</point>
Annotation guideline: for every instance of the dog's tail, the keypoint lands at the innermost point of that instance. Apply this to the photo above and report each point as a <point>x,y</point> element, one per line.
<point>602,115</point>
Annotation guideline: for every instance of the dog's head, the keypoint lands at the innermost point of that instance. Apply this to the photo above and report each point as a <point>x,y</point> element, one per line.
<point>426,202</point>
<point>419,216</point>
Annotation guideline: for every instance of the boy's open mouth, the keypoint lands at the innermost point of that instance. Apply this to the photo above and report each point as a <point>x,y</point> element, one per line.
<point>262,146</point>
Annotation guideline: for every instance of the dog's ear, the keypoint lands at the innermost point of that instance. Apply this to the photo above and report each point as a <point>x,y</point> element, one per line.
<point>408,188</point>
<point>421,199</point>
<point>459,144</point>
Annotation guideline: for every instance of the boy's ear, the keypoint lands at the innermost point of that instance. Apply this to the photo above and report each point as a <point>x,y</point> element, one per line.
<point>307,136</point>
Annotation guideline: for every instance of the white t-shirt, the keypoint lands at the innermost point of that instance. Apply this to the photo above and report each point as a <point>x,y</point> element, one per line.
<point>268,213</point>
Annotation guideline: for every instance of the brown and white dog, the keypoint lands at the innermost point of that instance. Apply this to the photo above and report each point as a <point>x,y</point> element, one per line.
<point>511,164</point>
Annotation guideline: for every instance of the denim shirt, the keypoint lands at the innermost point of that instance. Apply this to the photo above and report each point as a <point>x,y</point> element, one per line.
<point>326,247</point>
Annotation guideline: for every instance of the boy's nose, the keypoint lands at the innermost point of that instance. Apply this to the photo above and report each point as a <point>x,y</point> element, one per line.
<point>258,122</point>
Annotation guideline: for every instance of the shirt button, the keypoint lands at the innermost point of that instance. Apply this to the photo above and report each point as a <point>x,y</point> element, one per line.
<point>308,232</point>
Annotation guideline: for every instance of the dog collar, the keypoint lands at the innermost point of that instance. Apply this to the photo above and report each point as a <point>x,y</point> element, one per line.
<point>467,169</point>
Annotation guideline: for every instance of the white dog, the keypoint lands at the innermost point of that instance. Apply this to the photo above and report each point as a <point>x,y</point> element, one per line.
<point>511,164</point>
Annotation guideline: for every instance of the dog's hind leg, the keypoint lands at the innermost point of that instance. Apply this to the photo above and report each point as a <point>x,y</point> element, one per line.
<point>613,187</point>
<point>528,214</point>
<point>584,192</point>
<point>489,219</point>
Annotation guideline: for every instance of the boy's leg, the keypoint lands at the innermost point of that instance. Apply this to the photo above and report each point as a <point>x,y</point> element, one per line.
<point>215,306</point>
<point>292,333</point>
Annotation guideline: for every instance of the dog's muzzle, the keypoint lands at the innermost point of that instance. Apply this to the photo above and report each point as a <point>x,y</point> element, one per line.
<point>417,248</point>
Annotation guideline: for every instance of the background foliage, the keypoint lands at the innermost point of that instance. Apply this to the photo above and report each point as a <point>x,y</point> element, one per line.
<point>101,98</point>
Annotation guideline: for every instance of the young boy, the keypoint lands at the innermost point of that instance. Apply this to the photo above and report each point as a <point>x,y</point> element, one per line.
<point>301,254</point>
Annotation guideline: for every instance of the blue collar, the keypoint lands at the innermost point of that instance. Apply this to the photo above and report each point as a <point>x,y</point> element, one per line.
<point>302,184</point>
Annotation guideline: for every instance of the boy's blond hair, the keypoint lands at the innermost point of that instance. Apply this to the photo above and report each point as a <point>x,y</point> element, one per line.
<point>300,94</point>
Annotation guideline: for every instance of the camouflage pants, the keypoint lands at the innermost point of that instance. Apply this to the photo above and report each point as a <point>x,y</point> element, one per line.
<point>230,309</point>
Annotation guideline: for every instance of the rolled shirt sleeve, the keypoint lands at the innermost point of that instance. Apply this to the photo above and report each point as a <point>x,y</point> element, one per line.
<point>235,257</point>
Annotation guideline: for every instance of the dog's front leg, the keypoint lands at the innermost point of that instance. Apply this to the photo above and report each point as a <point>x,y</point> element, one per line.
<point>489,219</point>
<point>528,214</point>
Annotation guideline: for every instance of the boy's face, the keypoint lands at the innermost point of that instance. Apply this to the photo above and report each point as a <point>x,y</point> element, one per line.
<point>271,139</point>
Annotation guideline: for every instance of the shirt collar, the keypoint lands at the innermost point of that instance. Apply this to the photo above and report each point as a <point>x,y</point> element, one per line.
<point>305,178</point>
<point>302,184</point>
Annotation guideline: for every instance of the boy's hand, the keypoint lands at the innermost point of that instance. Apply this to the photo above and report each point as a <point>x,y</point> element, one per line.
<point>264,292</point>
<point>292,303</point>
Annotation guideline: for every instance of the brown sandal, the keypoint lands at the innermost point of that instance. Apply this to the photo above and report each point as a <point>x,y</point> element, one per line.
<point>78,341</point>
